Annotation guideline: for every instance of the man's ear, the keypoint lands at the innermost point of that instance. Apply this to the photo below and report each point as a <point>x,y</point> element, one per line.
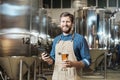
<point>73,28</point>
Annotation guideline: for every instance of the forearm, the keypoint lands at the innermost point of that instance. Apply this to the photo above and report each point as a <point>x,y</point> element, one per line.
<point>77,64</point>
<point>50,61</point>
<point>45,57</point>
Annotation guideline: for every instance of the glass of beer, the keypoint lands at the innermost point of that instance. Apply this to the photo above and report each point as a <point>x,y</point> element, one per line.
<point>64,56</point>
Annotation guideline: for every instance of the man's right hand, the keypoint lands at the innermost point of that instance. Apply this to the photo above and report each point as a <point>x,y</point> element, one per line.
<point>46,58</point>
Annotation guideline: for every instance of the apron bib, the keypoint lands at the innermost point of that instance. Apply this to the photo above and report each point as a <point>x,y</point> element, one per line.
<point>71,73</point>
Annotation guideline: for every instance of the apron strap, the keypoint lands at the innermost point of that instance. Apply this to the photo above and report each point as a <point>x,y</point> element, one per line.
<point>61,38</point>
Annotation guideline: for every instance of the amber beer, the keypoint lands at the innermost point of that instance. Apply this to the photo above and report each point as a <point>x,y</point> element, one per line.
<point>64,56</point>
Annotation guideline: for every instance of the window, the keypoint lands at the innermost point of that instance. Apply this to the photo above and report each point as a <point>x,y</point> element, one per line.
<point>66,3</point>
<point>56,3</point>
<point>119,3</point>
<point>47,3</point>
<point>102,3</point>
<point>91,3</point>
<point>112,3</point>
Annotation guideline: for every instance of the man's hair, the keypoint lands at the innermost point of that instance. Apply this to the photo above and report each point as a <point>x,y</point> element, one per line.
<point>64,14</point>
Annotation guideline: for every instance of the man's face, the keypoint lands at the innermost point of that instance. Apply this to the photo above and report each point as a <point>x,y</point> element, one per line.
<point>66,24</point>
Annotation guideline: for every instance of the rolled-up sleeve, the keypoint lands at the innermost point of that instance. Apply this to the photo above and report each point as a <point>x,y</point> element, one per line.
<point>82,51</point>
<point>85,53</point>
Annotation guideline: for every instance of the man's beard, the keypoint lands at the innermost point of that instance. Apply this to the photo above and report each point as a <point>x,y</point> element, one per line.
<point>67,31</point>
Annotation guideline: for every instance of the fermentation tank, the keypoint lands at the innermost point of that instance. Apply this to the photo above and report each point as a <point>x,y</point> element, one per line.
<point>80,21</point>
<point>96,25</point>
<point>90,22</point>
<point>16,26</point>
<point>17,39</point>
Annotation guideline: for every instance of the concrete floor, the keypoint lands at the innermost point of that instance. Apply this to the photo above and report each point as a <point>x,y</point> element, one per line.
<point>111,75</point>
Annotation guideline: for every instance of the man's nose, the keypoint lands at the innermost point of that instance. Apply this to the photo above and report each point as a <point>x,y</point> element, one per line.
<point>65,23</point>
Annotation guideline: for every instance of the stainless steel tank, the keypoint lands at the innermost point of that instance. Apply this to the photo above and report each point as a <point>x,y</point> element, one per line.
<point>112,18</point>
<point>93,24</point>
<point>15,67</point>
<point>80,21</point>
<point>91,27</point>
<point>48,30</point>
<point>16,25</point>
<point>16,38</point>
<point>86,24</point>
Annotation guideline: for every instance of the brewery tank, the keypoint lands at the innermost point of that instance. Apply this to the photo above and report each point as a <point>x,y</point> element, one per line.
<point>16,27</point>
<point>93,24</point>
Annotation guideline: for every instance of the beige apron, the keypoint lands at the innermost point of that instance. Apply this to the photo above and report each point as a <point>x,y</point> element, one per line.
<point>71,73</point>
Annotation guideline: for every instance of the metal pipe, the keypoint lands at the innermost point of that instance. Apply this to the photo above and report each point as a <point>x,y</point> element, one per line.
<point>107,3</point>
<point>105,65</point>
<point>96,3</point>
<point>31,16</point>
<point>6,77</point>
<point>117,4</point>
<point>35,69</point>
<point>1,75</point>
<point>20,74</point>
<point>28,76</point>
